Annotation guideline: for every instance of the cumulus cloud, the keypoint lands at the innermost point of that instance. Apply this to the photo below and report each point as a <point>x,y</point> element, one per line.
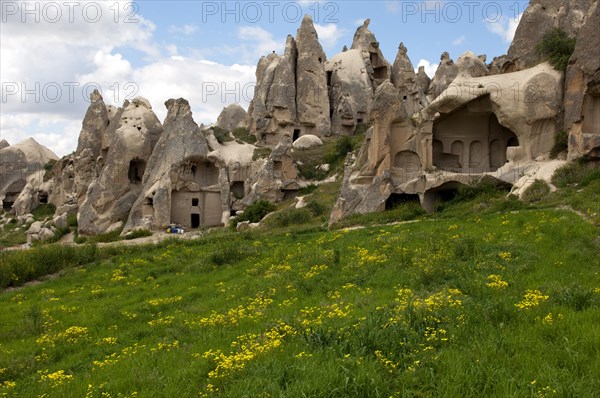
<point>74,57</point>
<point>505,27</point>
<point>329,34</point>
<point>256,42</point>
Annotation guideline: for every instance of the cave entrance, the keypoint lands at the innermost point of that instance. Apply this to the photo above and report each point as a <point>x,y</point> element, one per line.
<point>148,207</point>
<point>238,189</point>
<point>471,139</point>
<point>296,135</point>
<point>435,198</point>
<point>9,200</point>
<point>398,199</point>
<point>136,171</point>
<point>590,115</point>
<point>43,197</point>
<point>195,220</point>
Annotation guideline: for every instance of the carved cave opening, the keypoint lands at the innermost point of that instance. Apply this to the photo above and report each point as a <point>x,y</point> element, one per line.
<point>238,189</point>
<point>590,114</point>
<point>471,139</point>
<point>436,197</point>
<point>148,207</point>
<point>136,171</point>
<point>9,200</point>
<point>399,199</point>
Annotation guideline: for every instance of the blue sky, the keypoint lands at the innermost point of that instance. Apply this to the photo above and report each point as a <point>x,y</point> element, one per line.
<point>53,53</point>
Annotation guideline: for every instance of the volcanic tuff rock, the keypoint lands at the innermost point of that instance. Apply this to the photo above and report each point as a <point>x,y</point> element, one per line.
<point>110,196</point>
<point>93,139</point>
<point>444,75</point>
<point>181,166</point>
<point>350,91</point>
<point>540,17</point>
<point>406,81</point>
<point>312,98</point>
<point>378,68</point>
<point>470,132</point>
<point>22,164</point>
<point>273,108</point>
<point>582,90</point>
<point>232,117</point>
<point>276,175</point>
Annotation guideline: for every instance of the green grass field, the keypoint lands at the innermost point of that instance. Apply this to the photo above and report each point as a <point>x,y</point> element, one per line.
<point>488,296</point>
<point>493,305</point>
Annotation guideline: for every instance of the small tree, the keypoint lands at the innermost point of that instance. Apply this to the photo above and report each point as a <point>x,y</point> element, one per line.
<point>557,47</point>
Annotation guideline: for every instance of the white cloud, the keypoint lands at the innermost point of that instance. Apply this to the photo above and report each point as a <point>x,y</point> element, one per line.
<point>359,21</point>
<point>458,41</point>
<point>67,55</point>
<point>429,67</point>
<point>183,30</point>
<point>329,34</point>
<point>261,41</point>
<point>505,27</point>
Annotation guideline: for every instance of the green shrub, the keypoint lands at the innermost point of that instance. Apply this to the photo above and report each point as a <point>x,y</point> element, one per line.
<point>577,173</point>
<point>221,135</point>
<point>243,134</point>
<point>561,144</point>
<point>557,47</point>
<point>228,254</point>
<point>20,266</point>
<point>43,211</point>
<point>289,217</point>
<point>257,211</point>
<point>480,189</point>
<point>308,189</point>
<point>72,220</point>
<point>536,191</point>
<point>316,208</point>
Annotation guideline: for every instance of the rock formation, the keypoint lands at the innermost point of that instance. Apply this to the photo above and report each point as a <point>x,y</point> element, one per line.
<point>232,117</point>
<point>469,132</point>
<point>22,165</point>
<point>406,81</point>
<point>110,196</point>
<point>540,17</point>
<point>93,139</point>
<point>4,144</point>
<point>582,90</point>
<point>378,68</point>
<point>276,177</point>
<point>444,75</point>
<point>312,98</point>
<point>350,91</point>
<point>184,183</point>
<point>273,108</point>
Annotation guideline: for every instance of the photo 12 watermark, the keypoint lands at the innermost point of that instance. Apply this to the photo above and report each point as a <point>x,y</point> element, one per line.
<point>71,92</point>
<point>53,12</point>
<point>256,12</point>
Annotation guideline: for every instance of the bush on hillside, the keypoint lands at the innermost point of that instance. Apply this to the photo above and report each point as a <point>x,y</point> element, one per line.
<point>557,47</point>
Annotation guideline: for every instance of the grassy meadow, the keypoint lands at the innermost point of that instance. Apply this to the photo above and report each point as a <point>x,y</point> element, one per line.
<point>488,296</point>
